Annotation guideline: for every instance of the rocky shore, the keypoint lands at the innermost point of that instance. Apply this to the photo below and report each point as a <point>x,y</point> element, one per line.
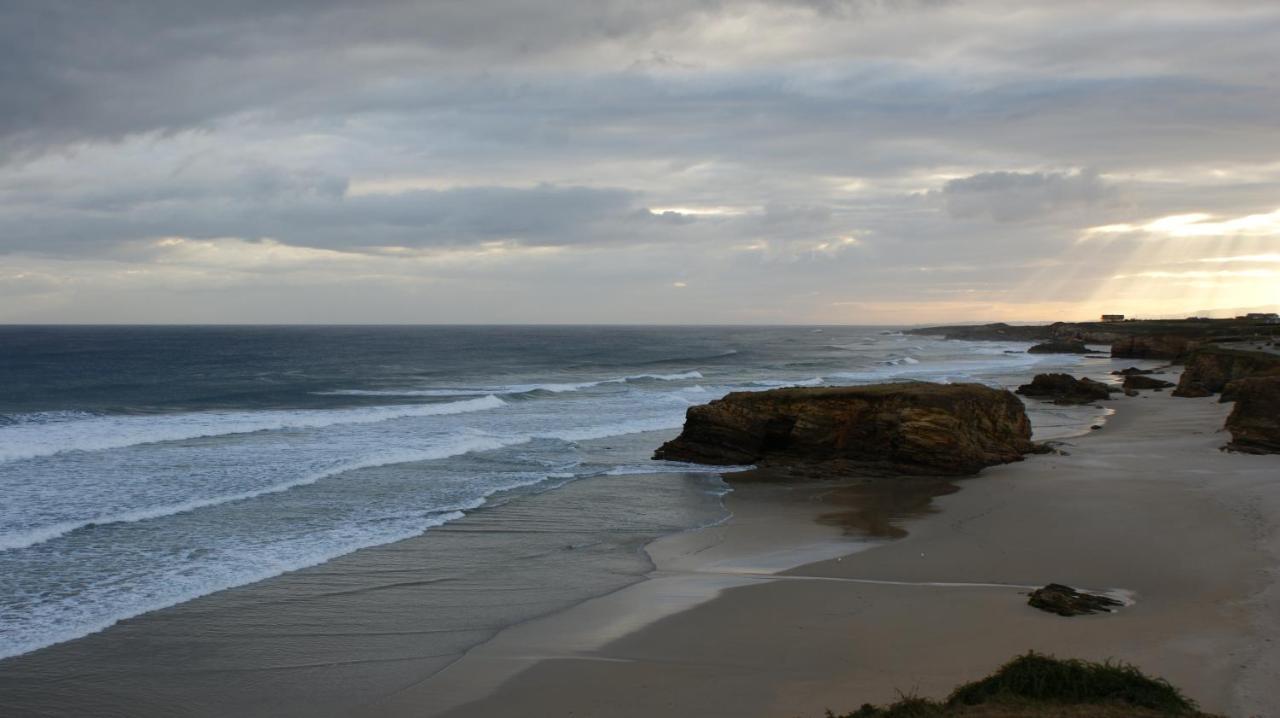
<point>1221,356</point>
<point>942,605</point>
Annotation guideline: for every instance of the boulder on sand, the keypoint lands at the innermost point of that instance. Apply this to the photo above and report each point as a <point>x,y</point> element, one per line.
<point>902,428</point>
<point>1065,389</point>
<point>1066,601</point>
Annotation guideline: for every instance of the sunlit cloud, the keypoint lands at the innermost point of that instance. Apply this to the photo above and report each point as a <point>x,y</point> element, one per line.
<point>1245,258</point>
<point>1194,225</point>
<point>1193,274</point>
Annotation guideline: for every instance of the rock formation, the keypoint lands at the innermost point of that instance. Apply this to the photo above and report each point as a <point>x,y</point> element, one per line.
<point>1060,347</point>
<point>1211,368</point>
<point>912,428</point>
<point>1134,371</point>
<point>1139,381</point>
<point>1066,601</point>
<point>1254,422</point>
<point>1065,389</point>
<point>1174,347</point>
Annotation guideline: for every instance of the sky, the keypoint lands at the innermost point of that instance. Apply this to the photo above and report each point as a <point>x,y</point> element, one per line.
<point>662,162</point>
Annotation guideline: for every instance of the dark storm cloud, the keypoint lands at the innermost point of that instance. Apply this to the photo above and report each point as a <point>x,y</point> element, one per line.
<point>316,214</point>
<point>797,145</point>
<point>1014,196</point>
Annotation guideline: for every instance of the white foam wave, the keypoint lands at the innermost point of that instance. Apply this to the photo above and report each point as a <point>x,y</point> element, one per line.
<point>673,467</point>
<point>456,447</point>
<point>634,426</point>
<point>62,627</point>
<point>27,441</point>
<point>770,384</point>
<point>550,387</point>
<point>406,392</point>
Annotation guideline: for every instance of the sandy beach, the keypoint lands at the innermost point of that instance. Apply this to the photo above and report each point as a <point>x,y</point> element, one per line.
<point>1147,506</point>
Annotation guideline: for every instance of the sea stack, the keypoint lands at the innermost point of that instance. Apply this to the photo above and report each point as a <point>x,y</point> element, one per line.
<point>901,428</point>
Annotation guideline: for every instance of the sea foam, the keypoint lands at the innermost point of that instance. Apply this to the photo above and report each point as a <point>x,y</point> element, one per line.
<point>31,440</point>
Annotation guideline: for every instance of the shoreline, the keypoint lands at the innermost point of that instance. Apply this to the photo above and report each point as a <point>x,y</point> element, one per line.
<point>748,604</point>
<point>1147,506</point>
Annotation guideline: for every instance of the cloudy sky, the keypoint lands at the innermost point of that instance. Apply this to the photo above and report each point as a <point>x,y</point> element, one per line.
<point>666,161</point>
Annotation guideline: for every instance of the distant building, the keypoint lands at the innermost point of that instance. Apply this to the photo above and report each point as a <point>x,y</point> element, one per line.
<point>1113,317</point>
<point>1268,317</point>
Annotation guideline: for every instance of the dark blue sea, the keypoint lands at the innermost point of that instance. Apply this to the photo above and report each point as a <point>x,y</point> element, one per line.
<point>142,467</point>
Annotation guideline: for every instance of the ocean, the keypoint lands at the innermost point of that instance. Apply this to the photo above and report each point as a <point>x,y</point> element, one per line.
<point>144,467</point>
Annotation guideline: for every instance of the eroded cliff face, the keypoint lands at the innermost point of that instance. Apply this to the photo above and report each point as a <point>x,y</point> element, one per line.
<point>1254,422</point>
<point>910,428</point>
<point>1211,368</point>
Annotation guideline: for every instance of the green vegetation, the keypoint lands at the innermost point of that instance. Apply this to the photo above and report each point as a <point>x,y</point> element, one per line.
<point>1037,685</point>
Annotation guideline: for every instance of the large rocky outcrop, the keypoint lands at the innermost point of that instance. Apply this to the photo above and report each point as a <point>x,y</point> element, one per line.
<point>1065,389</point>
<point>911,428</point>
<point>1211,368</point>
<point>1254,422</point>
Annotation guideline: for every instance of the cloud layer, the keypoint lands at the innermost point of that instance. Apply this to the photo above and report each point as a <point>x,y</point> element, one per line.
<point>784,160</point>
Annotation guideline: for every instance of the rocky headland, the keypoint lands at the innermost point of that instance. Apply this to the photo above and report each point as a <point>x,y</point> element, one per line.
<point>905,428</point>
<point>1173,339</point>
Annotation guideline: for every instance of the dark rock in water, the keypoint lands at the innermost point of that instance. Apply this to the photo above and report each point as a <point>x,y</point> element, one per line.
<point>1095,427</point>
<point>1060,347</point>
<point>906,428</point>
<point>1065,389</point>
<point>1210,369</point>
<point>1254,423</point>
<point>1066,601</point>
<point>1137,381</point>
<point>1134,371</point>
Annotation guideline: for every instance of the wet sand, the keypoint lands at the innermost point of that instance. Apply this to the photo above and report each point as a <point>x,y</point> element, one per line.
<point>331,639</point>
<point>1147,505</point>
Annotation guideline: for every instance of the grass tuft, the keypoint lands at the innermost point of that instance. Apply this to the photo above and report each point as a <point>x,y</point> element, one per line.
<point>1033,684</point>
<point>1037,677</point>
